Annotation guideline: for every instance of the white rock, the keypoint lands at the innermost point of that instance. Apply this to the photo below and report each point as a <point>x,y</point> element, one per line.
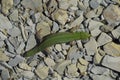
<point>116,32</point>
<point>5,74</point>
<point>55,27</point>
<point>91,14</point>
<point>6,5</point>
<point>103,39</point>
<point>58,47</point>
<point>112,49</point>
<point>95,32</point>
<point>24,66</point>
<point>2,36</point>
<point>60,67</point>
<point>14,15</point>
<point>91,46</point>
<point>42,72</point>
<point>111,62</point>
<point>3,56</point>
<point>20,48</point>
<point>16,60</point>
<point>50,62</point>
<point>2,44</point>
<point>31,42</point>
<point>4,22</point>
<point>28,74</point>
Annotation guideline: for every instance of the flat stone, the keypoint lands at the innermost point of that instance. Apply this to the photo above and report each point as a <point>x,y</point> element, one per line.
<point>116,32</point>
<point>95,32</point>
<point>83,61</point>
<point>111,62</point>
<point>60,67</point>
<point>42,72</point>
<point>31,42</point>
<point>16,60</point>
<point>35,5</point>
<point>21,47</point>
<point>55,27</point>
<point>57,76</point>
<point>60,16</point>
<point>50,62</point>
<point>91,14</point>
<point>3,56</point>
<point>2,36</point>
<point>97,58</point>
<point>28,74</point>
<point>43,29</point>
<point>16,2</point>
<point>24,66</point>
<point>103,39</point>
<point>14,15</point>
<point>58,47</point>
<point>91,46</point>
<point>82,68</point>
<point>112,14</point>
<point>99,70</point>
<point>5,74</point>
<point>6,5</point>
<point>94,3</point>
<point>112,49</point>
<point>2,44</point>
<point>4,21</point>
<point>72,70</point>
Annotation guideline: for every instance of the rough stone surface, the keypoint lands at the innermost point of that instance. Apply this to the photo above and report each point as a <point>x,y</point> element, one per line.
<point>49,62</point>
<point>3,56</point>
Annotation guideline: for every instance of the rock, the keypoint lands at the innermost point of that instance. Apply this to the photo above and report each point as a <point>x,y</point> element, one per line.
<point>2,36</point>
<point>57,76</point>
<point>50,62</point>
<point>4,22</point>
<point>15,31</point>
<point>83,61</point>
<point>3,56</point>
<point>111,62</point>
<point>91,14</point>
<point>24,66</point>
<point>72,70</point>
<point>60,16</point>
<point>94,3</point>
<point>2,44</point>
<point>103,39</point>
<point>112,14</point>
<point>91,46</point>
<point>6,5</point>
<point>16,60</point>
<point>35,5</point>
<point>99,70</point>
<point>16,2</point>
<point>58,47</point>
<point>31,42</point>
<point>77,21</point>
<point>55,27</point>
<point>21,47</point>
<point>28,74</point>
<point>60,67</point>
<point>112,49</point>
<point>95,32</point>
<point>5,74</point>
<point>116,32</point>
<point>65,4</point>
<point>82,69</point>
<point>97,58</point>
<point>43,29</point>
<point>14,15</point>
<point>42,72</point>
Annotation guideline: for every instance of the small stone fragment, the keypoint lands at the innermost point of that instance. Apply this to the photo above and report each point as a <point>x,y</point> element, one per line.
<point>2,36</point>
<point>58,47</point>
<point>112,49</point>
<point>2,44</point>
<point>103,39</point>
<point>116,32</point>
<point>91,46</point>
<point>111,62</point>
<point>16,2</point>
<point>6,5</point>
<point>3,56</point>
<point>60,16</point>
<point>83,61</point>
<point>94,3</point>
<point>95,32</point>
<point>16,60</point>
<point>31,42</point>
<point>97,58</point>
<point>55,27</point>
<point>28,74</point>
<point>60,67</point>
<point>24,66</point>
<point>21,47</point>
<point>5,74</point>
<point>42,72</point>
<point>14,15</point>
<point>82,68</point>
<point>50,62</point>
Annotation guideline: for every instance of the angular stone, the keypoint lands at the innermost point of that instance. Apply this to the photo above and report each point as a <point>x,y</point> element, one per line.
<point>36,5</point>
<point>55,27</point>
<point>43,29</point>
<point>50,62</point>
<point>2,44</point>
<point>21,47</point>
<point>42,72</point>
<point>2,36</point>
<point>5,74</point>
<point>82,68</point>
<point>112,14</point>
<point>58,47</point>
<point>28,74</point>
<point>91,47</point>
<point>14,15</point>
<point>6,5</point>
<point>95,32</point>
<point>111,62</point>
<point>3,56</point>
<point>31,42</point>
<point>112,49</point>
<point>60,67</point>
<point>103,39</point>
<point>60,16</point>
<point>83,61</point>
<point>16,2</point>
<point>91,14</point>
<point>24,66</point>
<point>97,58</point>
<point>116,32</point>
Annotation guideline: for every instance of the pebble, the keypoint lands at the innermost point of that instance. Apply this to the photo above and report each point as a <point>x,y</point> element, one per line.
<point>61,66</point>
<point>55,27</point>
<point>16,2</point>
<point>94,4</point>
<point>6,5</point>
<point>112,49</point>
<point>91,14</point>
<point>50,62</point>
<point>111,62</point>
<point>31,42</point>
<point>2,44</point>
<point>16,60</point>
<point>33,4</point>
<point>83,61</point>
<point>5,74</point>
<point>42,72</point>
<point>3,56</point>
<point>58,47</point>
<point>24,66</point>
<point>91,46</point>
<point>60,16</point>
<point>82,68</point>
<point>21,47</point>
<point>103,39</point>
<point>112,14</point>
<point>116,32</point>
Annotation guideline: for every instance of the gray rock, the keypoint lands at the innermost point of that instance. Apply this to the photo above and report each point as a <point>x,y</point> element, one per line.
<point>14,15</point>
<point>5,74</point>
<point>4,22</point>
<point>91,46</point>
<point>36,5</point>
<point>24,66</point>
<point>2,36</point>
<point>28,74</point>
<point>103,39</point>
<point>21,47</point>
<point>111,62</point>
<point>2,44</point>
<point>3,56</point>
<point>55,27</point>
<point>116,32</point>
<point>50,62</point>
<point>16,2</point>
<point>94,4</point>
<point>16,60</point>
<point>31,42</point>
